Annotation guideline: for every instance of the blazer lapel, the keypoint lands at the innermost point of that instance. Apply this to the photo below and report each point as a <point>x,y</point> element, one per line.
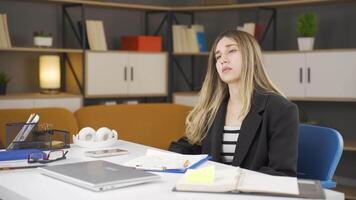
<point>213,141</point>
<point>249,128</point>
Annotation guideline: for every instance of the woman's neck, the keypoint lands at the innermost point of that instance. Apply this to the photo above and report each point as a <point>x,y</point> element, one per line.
<point>234,92</point>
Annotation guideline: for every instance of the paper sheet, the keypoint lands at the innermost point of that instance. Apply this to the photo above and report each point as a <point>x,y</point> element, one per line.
<point>161,161</point>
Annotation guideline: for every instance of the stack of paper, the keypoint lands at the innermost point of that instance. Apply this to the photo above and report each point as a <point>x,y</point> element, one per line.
<point>96,35</point>
<point>5,41</point>
<point>167,162</point>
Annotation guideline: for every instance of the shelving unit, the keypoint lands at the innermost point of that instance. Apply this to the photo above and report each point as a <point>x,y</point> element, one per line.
<point>170,11</point>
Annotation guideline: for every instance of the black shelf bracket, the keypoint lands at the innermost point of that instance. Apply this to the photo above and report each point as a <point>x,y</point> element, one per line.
<point>80,35</point>
<point>272,19</point>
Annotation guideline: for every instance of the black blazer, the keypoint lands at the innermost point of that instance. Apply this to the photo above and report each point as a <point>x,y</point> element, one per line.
<point>268,139</point>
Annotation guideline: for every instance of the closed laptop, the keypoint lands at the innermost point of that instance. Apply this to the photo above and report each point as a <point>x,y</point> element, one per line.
<point>98,175</point>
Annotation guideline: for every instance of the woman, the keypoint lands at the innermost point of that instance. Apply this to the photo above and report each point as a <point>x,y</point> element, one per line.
<point>241,118</point>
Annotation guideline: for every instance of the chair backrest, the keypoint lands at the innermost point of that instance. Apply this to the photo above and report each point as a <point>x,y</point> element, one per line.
<point>152,124</point>
<point>320,150</point>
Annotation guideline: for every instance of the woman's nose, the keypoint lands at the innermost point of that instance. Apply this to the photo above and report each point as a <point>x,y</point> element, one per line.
<point>223,59</point>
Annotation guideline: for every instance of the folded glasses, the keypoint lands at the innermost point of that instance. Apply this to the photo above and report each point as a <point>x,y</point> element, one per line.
<point>44,158</point>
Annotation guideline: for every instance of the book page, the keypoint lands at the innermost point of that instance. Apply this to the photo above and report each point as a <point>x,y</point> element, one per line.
<point>255,182</point>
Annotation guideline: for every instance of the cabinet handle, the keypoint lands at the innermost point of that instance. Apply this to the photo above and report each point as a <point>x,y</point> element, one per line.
<point>125,74</point>
<point>132,76</point>
<point>300,75</point>
<point>309,80</point>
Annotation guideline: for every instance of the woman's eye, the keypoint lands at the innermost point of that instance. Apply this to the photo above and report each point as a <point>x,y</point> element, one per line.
<point>232,50</point>
<point>218,57</point>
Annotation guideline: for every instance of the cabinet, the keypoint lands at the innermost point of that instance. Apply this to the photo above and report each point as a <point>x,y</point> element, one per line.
<point>36,100</point>
<point>317,74</point>
<point>118,74</point>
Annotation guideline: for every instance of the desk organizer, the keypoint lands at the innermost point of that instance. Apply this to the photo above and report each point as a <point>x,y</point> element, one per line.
<point>48,139</point>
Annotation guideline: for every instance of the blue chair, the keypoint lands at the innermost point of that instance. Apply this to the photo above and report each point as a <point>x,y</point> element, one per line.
<point>320,150</point>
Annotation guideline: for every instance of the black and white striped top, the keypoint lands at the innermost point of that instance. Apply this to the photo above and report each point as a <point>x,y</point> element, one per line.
<point>230,137</point>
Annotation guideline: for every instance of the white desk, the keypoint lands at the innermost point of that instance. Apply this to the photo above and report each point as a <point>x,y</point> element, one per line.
<point>30,184</point>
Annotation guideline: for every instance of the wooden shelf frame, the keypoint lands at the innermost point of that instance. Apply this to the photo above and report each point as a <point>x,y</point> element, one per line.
<point>349,145</point>
<point>191,54</point>
<point>38,95</point>
<point>197,8</point>
<point>47,50</point>
<point>271,4</point>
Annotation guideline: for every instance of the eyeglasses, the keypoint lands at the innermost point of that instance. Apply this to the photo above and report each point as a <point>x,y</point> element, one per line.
<point>44,158</point>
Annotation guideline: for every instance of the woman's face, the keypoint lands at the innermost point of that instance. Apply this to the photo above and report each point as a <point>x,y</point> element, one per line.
<point>228,60</point>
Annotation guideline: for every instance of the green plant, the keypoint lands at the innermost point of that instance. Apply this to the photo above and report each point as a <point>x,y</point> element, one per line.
<point>41,34</point>
<point>4,79</point>
<point>307,25</point>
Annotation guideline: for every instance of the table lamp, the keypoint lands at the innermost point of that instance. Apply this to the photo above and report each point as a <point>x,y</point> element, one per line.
<point>50,74</point>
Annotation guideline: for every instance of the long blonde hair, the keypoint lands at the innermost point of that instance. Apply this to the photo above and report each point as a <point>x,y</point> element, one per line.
<point>214,90</point>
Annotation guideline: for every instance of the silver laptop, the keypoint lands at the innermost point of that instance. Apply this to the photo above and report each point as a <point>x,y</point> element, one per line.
<point>98,175</point>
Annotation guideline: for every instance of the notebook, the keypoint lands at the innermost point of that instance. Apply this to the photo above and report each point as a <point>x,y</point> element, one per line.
<point>238,180</point>
<point>160,161</point>
<point>98,175</point>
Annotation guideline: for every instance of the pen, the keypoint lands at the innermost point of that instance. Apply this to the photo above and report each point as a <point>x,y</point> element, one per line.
<point>151,168</point>
<point>20,167</point>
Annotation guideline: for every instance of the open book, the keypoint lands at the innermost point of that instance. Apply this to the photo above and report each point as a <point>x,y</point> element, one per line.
<point>236,180</point>
<point>167,162</point>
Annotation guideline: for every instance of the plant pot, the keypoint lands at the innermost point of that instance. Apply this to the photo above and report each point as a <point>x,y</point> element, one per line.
<point>43,41</point>
<point>3,88</point>
<point>305,43</point>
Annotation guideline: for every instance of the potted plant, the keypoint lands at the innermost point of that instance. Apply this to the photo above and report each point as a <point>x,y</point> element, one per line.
<point>306,29</point>
<point>41,39</point>
<point>4,79</point>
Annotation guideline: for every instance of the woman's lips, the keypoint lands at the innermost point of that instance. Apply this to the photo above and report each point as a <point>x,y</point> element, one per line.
<point>226,69</point>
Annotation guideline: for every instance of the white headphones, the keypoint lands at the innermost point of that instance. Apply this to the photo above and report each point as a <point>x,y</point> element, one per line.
<point>88,137</point>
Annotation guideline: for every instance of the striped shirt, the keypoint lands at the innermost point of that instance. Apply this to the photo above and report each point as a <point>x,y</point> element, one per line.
<point>230,137</point>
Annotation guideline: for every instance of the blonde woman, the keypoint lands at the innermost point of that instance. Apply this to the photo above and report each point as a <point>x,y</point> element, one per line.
<point>241,118</point>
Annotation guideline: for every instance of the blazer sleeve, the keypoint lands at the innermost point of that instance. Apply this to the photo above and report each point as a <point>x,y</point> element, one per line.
<point>283,140</point>
<point>184,147</point>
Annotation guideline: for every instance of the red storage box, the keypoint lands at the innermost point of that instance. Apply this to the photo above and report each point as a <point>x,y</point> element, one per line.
<point>141,43</point>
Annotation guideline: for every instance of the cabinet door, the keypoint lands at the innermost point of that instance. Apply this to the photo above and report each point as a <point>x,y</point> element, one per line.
<point>286,72</point>
<point>148,74</point>
<point>332,74</point>
<point>106,74</point>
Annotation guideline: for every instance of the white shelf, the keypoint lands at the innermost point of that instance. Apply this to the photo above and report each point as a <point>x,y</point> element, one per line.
<point>38,96</point>
<point>36,49</point>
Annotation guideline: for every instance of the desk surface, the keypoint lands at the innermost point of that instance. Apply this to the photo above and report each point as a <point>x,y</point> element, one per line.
<point>30,184</point>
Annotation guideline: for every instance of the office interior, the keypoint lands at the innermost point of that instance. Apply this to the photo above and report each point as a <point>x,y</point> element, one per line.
<point>336,32</point>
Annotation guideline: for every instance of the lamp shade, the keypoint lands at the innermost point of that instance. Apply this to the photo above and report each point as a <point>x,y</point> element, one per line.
<point>50,73</point>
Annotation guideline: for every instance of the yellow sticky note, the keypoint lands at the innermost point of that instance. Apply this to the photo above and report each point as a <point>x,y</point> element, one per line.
<point>202,175</point>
